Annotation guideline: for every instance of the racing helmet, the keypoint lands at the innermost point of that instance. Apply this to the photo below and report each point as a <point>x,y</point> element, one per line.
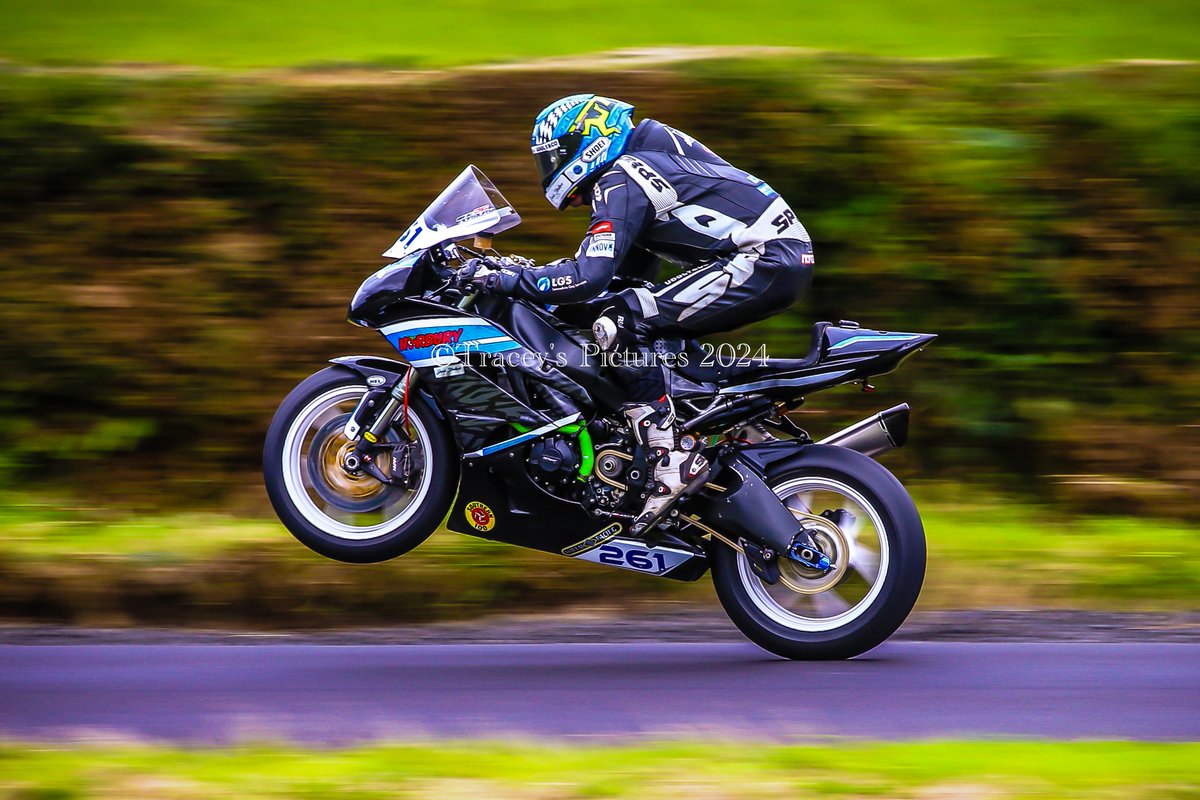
<point>575,139</point>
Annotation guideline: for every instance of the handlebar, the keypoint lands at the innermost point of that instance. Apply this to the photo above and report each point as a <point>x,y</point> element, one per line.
<point>470,292</point>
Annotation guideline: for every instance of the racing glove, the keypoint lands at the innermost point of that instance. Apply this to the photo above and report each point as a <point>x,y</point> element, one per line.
<point>490,273</point>
<point>473,273</point>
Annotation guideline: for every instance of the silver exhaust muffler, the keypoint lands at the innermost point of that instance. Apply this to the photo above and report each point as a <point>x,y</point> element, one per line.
<point>876,434</point>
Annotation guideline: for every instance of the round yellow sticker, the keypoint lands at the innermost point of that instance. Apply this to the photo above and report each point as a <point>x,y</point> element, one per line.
<point>480,517</point>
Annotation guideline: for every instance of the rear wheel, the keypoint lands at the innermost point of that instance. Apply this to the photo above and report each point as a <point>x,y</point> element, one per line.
<point>863,519</point>
<point>346,514</point>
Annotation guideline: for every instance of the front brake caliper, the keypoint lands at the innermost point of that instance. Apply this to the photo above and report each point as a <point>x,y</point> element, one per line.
<point>407,460</point>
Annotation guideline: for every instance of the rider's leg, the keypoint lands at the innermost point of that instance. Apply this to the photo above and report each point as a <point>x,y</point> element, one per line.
<point>726,294</point>
<point>744,288</point>
<point>652,421</point>
<point>653,424</point>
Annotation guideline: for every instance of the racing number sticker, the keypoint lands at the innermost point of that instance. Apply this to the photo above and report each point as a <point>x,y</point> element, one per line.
<point>479,516</point>
<point>629,554</point>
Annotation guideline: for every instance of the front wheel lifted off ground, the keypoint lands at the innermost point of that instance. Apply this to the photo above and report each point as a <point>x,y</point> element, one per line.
<point>343,514</point>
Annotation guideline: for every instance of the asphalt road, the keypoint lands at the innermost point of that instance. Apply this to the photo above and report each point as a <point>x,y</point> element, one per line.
<point>340,694</point>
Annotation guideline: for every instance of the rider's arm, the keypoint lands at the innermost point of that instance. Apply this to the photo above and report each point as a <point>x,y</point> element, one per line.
<point>641,264</point>
<point>620,212</point>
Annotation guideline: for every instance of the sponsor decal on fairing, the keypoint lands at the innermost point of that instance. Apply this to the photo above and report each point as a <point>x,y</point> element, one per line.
<point>424,340</point>
<point>637,556</point>
<point>433,341</point>
<point>479,516</point>
<point>595,540</point>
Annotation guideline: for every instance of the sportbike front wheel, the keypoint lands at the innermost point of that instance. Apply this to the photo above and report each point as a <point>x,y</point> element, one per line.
<point>342,513</point>
<point>863,519</point>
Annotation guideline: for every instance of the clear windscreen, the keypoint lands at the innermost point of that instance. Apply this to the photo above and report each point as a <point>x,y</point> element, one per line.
<point>469,206</point>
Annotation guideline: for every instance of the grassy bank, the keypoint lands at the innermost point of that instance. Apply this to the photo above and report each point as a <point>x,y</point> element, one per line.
<point>1114,770</point>
<point>89,566</point>
<point>176,252</point>
<point>271,32</point>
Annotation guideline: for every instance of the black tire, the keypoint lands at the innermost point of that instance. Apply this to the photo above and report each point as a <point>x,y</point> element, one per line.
<point>881,616</point>
<point>298,507</point>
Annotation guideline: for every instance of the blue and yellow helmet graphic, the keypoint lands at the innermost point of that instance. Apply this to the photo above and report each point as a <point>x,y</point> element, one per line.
<point>576,137</point>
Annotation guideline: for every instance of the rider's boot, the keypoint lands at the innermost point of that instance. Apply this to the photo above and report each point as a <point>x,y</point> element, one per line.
<point>675,469</point>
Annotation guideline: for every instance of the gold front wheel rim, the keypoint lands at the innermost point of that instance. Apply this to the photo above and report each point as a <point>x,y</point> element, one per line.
<point>353,486</point>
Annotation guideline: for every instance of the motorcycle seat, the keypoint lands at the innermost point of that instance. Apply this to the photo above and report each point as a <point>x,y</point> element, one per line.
<point>750,368</point>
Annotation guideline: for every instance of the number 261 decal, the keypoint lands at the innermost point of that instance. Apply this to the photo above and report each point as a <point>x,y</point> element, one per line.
<point>636,556</point>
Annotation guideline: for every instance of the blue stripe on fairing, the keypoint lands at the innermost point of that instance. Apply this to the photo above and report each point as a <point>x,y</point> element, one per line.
<point>883,337</point>
<point>524,437</point>
<point>471,334</point>
<point>445,356</point>
<point>493,448</point>
<point>779,383</point>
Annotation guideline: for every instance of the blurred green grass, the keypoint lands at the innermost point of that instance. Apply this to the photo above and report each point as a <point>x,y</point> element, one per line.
<point>224,33</point>
<point>993,769</point>
<point>96,566</point>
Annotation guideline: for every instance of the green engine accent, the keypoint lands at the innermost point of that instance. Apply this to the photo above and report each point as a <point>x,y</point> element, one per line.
<point>587,451</point>
<point>587,456</point>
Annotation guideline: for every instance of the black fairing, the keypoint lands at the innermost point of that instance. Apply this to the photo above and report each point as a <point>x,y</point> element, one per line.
<point>838,354</point>
<point>480,401</point>
<point>374,303</point>
<point>527,516</point>
<point>543,334</point>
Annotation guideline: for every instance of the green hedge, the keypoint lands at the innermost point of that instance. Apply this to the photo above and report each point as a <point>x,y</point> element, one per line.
<point>177,252</point>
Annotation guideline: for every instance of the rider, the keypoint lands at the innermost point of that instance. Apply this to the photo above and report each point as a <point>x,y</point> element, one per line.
<point>657,192</point>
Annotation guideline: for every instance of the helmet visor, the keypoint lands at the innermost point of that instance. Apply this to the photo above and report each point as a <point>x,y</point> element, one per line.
<point>555,154</point>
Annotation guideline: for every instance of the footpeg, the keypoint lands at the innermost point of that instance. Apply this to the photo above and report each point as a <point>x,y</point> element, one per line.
<point>677,475</point>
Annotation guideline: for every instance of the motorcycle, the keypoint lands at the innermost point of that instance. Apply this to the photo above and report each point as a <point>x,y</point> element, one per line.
<point>500,418</point>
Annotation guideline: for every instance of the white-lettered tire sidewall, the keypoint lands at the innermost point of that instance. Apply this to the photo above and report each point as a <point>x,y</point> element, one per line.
<point>902,583</point>
<point>425,520</point>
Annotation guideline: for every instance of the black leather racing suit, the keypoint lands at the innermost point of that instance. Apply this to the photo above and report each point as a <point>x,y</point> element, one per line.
<point>670,196</point>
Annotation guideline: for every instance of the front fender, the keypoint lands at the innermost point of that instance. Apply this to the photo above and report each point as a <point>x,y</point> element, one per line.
<point>387,369</point>
<point>374,368</point>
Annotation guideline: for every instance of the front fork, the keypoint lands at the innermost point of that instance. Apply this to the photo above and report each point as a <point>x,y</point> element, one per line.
<point>367,428</point>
